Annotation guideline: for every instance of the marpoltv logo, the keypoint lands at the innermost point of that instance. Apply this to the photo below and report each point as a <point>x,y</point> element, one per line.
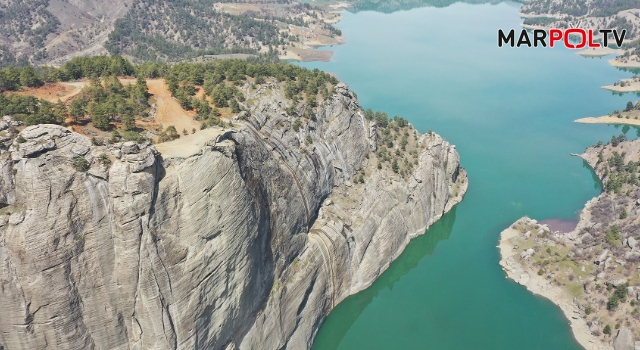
<point>573,38</point>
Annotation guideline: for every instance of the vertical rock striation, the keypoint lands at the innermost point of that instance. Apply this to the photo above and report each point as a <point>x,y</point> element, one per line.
<point>247,243</point>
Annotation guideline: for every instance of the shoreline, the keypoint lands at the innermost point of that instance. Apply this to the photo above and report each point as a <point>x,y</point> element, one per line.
<point>608,120</point>
<point>538,285</point>
<point>599,52</point>
<point>629,64</point>
<point>631,85</point>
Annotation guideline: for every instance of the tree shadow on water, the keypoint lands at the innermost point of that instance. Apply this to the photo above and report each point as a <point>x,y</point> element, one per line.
<point>348,311</point>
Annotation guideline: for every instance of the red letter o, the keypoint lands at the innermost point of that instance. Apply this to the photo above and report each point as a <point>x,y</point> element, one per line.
<point>582,32</point>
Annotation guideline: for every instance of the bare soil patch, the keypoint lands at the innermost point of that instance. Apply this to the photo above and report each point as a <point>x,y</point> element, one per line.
<point>168,110</point>
<point>53,92</point>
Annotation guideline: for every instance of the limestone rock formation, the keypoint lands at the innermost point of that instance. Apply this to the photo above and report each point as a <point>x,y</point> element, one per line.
<point>624,340</point>
<point>247,242</point>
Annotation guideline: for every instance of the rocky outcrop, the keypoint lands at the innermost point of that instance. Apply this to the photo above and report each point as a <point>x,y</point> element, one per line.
<point>590,272</point>
<point>247,242</point>
<point>624,340</point>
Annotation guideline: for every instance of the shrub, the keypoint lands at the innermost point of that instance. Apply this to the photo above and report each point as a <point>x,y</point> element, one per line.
<point>613,303</point>
<point>170,133</point>
<point>80,164</point>
<point>623,214</point>
<point>104,159</point>
<point>612,235</point>
<point>607,329</point>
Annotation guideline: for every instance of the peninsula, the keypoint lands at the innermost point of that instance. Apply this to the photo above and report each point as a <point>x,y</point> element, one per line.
<point>591,272</point>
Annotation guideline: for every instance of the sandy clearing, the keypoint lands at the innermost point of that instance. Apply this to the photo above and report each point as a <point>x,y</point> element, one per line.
<point>238,9</point>
<point>53,92</point>
<point>188,145</point>
<point>290,55</point>
<point>540,286</point>
<point>168,110</point>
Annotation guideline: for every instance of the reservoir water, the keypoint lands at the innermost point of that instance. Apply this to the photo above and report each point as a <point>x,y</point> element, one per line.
<point>510,113</point>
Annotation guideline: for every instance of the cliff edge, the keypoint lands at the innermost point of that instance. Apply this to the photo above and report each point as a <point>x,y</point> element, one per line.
<point>237,238</point>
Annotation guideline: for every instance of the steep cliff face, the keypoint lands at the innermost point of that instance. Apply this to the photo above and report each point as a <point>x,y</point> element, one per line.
<point>238,238</point>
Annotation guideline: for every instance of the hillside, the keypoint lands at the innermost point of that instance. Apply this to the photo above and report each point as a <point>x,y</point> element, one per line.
<point>54,31</point>
<point>596,15</point>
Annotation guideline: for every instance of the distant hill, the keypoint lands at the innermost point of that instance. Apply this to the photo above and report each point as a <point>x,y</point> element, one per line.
<point>579,8</point>
<point>54,31</point>
<point>388,6</point>
<point>44,30</point>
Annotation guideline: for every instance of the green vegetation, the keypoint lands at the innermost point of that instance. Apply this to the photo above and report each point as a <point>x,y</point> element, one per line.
<point>170,133</point>
<point>395,144</point>
<point>620,295</point>
<point>577,8</point>
<point>539,21</point>
<point>607,330</point>
<point>81,164</point>
<point>12,78</point>
<point>180,29</point>
<point>110,105</point>
<point>28,21</point>
<point>219,81</point>
<point>618,173</point>
<point>588,310</point>
<point>108,100</point>
<point>603,8</point>
<point>612,234</point>
<point>31,110</point>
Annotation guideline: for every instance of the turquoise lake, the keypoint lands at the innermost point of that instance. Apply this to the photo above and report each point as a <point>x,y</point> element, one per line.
<point>510,113</point>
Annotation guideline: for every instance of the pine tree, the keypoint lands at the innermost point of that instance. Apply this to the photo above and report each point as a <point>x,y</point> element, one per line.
<point>78,109</point>
<point>99,116</point>
<point>129,121</point>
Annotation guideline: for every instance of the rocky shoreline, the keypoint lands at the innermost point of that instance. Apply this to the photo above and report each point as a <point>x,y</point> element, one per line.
<point>525,275</point>
<point>591,272</point>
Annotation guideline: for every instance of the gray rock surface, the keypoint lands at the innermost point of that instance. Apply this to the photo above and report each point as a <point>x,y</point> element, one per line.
<point>624,340</point>
<point>247,244</point>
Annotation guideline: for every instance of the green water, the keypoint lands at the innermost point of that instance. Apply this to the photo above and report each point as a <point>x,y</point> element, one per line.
<point>510,113</point>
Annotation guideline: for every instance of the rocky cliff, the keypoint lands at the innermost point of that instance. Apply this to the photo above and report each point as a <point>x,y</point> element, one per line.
<point>238,238</point>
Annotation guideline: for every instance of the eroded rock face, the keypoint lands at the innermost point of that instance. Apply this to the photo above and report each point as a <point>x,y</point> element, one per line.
<point>247,244</point>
